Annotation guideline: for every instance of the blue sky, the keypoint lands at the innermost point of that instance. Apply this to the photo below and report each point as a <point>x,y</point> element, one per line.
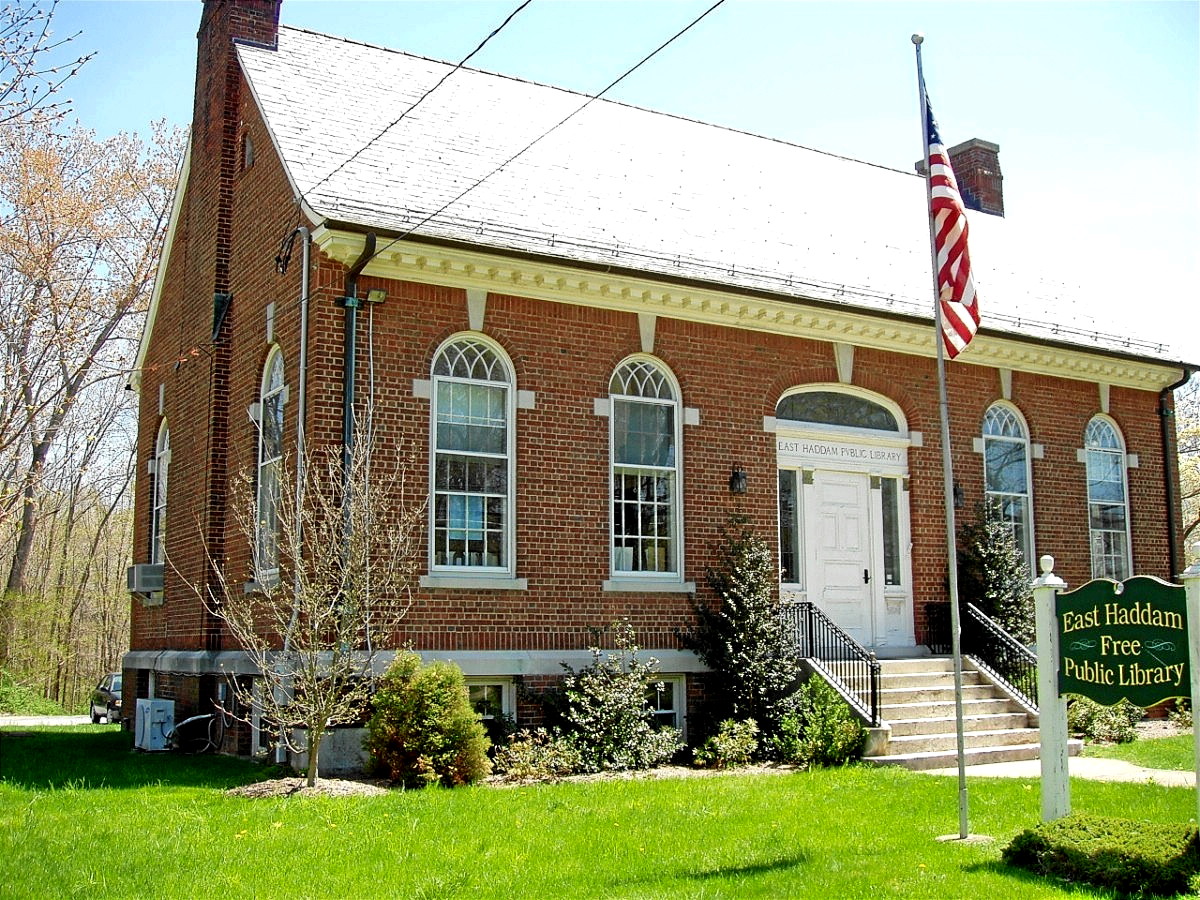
<point>1095,106</point>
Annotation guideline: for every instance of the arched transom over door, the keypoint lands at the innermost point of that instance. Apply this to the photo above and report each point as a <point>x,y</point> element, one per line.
<point>844,533</point>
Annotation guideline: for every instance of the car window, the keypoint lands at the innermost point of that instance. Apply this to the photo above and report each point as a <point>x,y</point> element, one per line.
<point>116,683</point>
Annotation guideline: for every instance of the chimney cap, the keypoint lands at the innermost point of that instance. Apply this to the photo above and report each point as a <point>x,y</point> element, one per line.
<point>972,144</point>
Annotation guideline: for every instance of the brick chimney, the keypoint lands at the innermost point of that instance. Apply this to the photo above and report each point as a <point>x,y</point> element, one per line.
<point>215,122</point>
<point>976,166</point>
<point>977,170</point>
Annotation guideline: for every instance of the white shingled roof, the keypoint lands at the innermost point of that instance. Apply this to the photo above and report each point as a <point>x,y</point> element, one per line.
<point>618,185</point>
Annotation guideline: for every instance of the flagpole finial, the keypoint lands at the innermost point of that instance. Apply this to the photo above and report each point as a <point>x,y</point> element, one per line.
<point>918,38</point>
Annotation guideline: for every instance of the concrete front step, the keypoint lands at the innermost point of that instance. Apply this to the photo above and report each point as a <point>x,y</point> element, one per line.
<point>934,694</point>
<point>947,759</point>
<point>945,724</point>
<point>919,743</point>
<point>938,710</point>
<point>924,664</point>
<point>926,679</point>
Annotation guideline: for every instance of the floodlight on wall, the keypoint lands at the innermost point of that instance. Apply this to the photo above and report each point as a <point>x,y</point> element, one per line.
<point>737,480</point>
<point>376,295</point>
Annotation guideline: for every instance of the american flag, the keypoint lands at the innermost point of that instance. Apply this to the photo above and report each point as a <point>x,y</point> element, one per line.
<point>956,289</point>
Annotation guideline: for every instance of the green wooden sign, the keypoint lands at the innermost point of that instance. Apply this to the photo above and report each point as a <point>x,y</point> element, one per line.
<point>1124,640</point>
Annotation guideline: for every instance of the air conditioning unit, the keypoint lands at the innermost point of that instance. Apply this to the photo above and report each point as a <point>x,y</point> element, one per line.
<point>153,723</point>
<point>145,578</point>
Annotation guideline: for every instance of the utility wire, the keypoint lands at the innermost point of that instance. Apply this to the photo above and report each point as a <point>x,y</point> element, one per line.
<point>357,153</point>
<point>590,100</point>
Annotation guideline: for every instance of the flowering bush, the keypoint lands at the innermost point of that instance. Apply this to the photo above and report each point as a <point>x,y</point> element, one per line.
<point>733,745</point>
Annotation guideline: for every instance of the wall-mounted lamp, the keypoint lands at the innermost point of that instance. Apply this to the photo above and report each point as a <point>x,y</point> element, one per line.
<point>960,496</point>
<point>737,481</point>
<point>376,295</point>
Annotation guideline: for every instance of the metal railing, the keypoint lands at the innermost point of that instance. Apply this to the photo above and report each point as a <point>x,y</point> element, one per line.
<point>999,653</point>
<point>845,663</point>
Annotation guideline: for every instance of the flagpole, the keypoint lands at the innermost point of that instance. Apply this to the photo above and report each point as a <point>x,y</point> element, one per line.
<point>947,465</point>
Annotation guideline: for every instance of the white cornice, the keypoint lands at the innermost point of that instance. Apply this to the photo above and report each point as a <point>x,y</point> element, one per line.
<point>540,280</point>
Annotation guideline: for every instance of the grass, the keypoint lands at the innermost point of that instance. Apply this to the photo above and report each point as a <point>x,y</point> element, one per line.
<point>1176,752</point>
<point>82,814</point>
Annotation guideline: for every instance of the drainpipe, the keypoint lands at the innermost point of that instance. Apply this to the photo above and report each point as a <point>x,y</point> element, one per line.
<point>350,303</point>
<point>1166,422</point>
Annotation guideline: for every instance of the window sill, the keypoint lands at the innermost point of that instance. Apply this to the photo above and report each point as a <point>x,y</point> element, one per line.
<point>648,586</point>
<point>475,582</point>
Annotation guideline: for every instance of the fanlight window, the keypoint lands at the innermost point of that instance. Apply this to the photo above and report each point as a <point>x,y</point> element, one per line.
<point>836,408</point>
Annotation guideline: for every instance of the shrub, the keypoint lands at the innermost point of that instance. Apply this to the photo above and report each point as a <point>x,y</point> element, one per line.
<point>994,575</point>
<point>733,745</point>
<point>607,713</point>
<point>1122,855</point>
<point>17,699</point>
<point>538,755</point>
<point>1106,724</point>
<point>1181,715</point>
<point>423,729</point>
<point>824,731</point>
<point>742,638</point>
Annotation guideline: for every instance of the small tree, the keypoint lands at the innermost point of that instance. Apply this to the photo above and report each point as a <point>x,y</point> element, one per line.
<point>345,571</point>
<point>993,574</point>
<point>742,638</point>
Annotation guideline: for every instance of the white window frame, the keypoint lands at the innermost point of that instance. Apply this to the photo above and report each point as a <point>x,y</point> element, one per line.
<point>272,394</point>
<point>508,699</point>
<point>679,695</point>
<point>158,509</point>
<point>1013,415</point>
<point>506,568</point>
<point>638,365</point>
<point>1095,535</point>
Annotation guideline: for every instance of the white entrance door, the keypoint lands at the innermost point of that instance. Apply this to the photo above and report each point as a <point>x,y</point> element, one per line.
<point>843,585</point>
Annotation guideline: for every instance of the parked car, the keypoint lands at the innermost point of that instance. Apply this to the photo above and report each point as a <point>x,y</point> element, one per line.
<point>106,700</point>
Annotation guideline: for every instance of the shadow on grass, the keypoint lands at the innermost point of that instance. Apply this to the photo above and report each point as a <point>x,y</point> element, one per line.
<point>1016,873</point>
<point>749,870</point>
<point>88,757</point>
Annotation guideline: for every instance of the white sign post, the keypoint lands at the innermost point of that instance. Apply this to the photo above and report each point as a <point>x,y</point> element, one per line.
<point>1052,708</point>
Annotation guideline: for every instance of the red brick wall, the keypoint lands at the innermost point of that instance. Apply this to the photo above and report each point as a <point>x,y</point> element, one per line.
<point>231,225</point>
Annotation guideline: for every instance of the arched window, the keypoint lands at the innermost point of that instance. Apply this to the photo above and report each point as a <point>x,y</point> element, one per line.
<point>1108,500</point>
<point>473,455</point>
<point>836,408</point>
<point>158,512</point>
<point>272,397</point>
<point>1006,473</point>
<point>644,424</point>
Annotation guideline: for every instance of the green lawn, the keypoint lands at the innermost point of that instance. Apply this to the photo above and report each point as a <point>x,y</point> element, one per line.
<point>1175,752</point>
<point>81,814</point>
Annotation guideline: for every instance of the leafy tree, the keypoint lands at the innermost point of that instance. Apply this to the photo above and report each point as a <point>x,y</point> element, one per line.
<point>345,573</point>
<point>741,637</point>
<point>993,574</point>
<point>1187,425</point>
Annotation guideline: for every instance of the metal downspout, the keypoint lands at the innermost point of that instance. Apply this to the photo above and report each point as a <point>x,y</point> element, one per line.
<point>350,303</point>
<point>1166,420</point>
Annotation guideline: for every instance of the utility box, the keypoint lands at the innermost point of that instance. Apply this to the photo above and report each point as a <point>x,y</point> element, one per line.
<point>154,721</point>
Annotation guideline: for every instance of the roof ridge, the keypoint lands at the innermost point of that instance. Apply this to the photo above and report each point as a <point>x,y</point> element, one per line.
<point>584,95</point>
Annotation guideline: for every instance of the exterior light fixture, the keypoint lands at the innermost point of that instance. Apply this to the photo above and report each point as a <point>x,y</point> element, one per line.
<point>376,295</point>
<point>737,481</point>
<point>960,496</point>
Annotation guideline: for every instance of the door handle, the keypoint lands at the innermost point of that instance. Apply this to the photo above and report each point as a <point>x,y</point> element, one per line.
<point>866,577</point>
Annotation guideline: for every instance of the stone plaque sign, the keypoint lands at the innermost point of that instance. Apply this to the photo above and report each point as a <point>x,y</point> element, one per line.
<point>1124,640</point>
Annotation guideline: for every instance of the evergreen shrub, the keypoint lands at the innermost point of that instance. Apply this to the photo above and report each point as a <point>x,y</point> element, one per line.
<point>823,732</point>
<point>1130,857</point>
<point>1106,724</point>
<point>994,575</point>
<point>608,715</point>
<point>423,729</point>
<point>734,744</point>
<point>741,636</point>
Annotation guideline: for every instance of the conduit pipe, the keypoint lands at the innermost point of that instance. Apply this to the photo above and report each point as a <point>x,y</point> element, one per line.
<point>1166,422</point>
<point>350,303</point>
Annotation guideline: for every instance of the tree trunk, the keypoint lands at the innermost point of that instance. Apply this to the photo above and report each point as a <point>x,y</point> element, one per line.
<point>315,739</point>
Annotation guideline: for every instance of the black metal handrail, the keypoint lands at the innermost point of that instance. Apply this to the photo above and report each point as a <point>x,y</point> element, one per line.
<point>843,661</point>
<point>1000,654</point>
